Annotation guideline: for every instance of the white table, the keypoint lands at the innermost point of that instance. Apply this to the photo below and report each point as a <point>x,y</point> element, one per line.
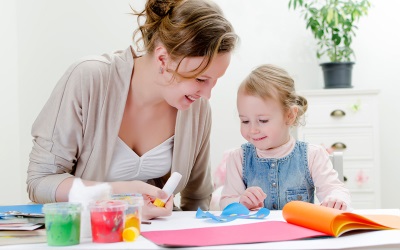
<point>385,239</point>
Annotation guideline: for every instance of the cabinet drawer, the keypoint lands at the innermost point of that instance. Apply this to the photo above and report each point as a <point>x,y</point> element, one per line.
<point>359,164</point>
<point>363,204</point>
<point>359,180</point>
<point>357,110</point>
<point>363,200</point>
<point>358,141</point>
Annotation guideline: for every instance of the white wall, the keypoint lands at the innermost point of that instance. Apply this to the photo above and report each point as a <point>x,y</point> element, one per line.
<point>53,34</point>
<point>10,164</point>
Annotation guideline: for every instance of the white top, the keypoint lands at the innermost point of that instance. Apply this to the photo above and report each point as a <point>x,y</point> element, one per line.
<point>126,165</point>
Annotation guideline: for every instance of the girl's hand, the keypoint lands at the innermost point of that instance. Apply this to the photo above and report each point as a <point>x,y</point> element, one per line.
<point>253,198</point>
<point>333,202</point>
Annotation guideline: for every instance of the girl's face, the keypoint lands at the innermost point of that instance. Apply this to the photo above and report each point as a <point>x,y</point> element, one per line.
<point>264,123</point>
<point>183,92</point>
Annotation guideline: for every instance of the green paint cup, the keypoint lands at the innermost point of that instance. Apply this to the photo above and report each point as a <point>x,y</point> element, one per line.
<point>63,223</point>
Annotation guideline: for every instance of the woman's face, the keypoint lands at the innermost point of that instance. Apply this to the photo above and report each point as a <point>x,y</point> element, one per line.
<point>182,92</point>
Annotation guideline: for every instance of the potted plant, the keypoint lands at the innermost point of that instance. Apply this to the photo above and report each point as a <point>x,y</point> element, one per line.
<point>332,23</point>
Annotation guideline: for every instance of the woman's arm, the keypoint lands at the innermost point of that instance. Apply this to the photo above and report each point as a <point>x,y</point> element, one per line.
<point>195,146</point>
<point>57,138</point>
<point>117,188</point>
<point>149,192</point>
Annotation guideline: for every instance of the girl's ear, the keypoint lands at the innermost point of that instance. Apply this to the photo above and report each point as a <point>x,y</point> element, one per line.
<point>291,115</point>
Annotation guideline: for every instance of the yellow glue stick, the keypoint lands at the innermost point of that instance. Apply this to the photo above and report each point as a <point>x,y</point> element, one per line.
<point>169,188</point>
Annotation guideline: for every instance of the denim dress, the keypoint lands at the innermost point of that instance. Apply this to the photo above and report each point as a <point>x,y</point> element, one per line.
<point>283,180</point>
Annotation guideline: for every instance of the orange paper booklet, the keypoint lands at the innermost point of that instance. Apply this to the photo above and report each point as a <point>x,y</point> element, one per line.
<point>335,222</point>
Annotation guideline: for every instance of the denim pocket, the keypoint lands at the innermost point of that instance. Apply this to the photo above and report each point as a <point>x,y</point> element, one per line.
<point>297,195</point>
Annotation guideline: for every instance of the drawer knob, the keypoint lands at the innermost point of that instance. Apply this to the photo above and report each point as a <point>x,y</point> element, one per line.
<point>338,113</point>
<point>339,145</point>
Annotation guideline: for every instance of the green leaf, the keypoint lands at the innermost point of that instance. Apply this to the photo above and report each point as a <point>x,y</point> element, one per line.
<point>336,18</point>
<point>336,39</point>
<point>355,15</point>
<point>320,33</point>
<point>330,15</point>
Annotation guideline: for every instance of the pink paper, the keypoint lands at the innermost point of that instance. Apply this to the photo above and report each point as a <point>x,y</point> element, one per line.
<point>267,231</point>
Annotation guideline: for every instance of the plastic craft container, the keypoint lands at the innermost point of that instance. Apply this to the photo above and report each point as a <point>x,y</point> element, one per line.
<point>63,223</point>
<point>133,215</point>
<point>107,220</point>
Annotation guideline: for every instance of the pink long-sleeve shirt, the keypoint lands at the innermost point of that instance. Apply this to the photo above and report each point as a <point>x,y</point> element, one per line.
<point>325,178</point>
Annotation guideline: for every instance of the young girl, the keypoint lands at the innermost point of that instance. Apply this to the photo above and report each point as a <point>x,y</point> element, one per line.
<point>273,168</point>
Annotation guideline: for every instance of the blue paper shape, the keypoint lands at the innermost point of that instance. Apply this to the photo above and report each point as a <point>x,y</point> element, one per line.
<point>235,208</point>
<point>34,209</point>
<point>233,211</point>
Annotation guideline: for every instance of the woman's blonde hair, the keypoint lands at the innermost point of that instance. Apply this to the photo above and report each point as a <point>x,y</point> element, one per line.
<point>270,81</point>
<point>187,28</point>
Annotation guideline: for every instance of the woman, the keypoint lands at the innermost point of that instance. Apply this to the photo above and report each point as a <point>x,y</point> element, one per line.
<point>126,119</point>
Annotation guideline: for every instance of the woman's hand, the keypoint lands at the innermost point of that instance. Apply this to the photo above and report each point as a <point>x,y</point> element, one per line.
<point>333,202</point>
<point>253,197</point>
<point>151,211</point>
<point>150,193</point>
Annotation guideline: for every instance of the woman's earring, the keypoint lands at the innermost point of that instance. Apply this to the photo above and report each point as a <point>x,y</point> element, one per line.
<point>161,70</point>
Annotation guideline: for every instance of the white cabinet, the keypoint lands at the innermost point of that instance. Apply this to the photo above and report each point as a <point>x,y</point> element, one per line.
<point>348,120</point>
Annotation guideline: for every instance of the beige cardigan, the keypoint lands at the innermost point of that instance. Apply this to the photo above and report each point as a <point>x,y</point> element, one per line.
<point>76,131</point>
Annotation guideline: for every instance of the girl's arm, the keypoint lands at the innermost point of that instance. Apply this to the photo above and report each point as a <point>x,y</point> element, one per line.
<point>325,177</point>
<point>233,186</point>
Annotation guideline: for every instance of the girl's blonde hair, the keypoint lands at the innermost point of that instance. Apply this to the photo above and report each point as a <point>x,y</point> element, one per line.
<point>187,28</point>
<point>270,81</point>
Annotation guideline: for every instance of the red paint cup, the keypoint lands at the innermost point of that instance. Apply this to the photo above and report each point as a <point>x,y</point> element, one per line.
<point>107,218</point>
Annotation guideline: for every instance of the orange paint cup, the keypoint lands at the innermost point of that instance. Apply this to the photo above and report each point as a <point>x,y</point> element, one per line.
<point>133,215</point>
